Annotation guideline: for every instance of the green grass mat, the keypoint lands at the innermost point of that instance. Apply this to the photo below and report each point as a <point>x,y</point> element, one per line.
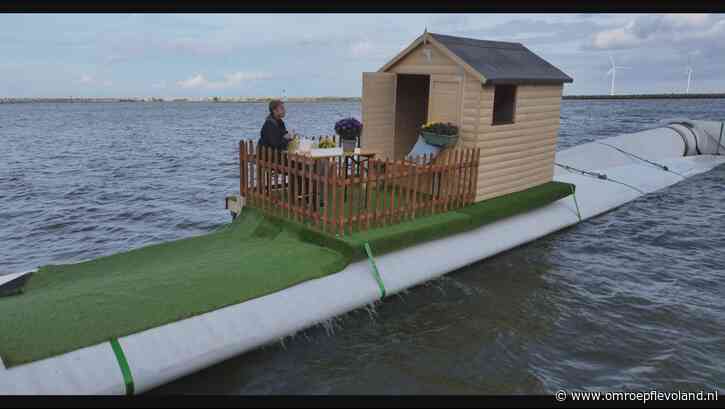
<point>390,238</point>
<point>67,307</point>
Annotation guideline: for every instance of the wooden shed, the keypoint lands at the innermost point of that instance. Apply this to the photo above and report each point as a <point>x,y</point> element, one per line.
<point>504,98</point>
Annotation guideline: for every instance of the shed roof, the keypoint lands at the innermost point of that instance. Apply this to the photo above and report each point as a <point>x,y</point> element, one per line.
<point>499,62</point>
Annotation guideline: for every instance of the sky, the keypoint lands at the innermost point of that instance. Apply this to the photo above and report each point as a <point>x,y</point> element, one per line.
<point>197,55</point>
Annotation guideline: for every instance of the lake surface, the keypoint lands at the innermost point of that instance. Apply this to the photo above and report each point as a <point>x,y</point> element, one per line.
<point>633,299</point>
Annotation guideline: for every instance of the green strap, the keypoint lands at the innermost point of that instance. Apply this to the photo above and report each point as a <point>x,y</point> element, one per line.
<point>125,369</point>
<point>376,274</point>
<point>573,193</point>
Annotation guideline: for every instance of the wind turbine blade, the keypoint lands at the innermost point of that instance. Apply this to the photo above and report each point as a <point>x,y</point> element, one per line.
<point>611,59</point>
<point>609,72</point>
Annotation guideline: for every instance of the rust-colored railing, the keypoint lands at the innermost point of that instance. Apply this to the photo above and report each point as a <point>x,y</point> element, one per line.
<point>344,194</point>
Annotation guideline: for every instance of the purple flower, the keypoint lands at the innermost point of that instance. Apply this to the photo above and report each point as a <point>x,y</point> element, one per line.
<point>348,128</point>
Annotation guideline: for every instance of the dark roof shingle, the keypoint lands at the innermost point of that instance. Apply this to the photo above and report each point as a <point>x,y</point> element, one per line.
<point>503,62</point>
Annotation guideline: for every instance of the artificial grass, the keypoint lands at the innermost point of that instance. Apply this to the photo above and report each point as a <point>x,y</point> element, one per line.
<point>490,210</point>
<point>71,306</point>
<point>390,238</point>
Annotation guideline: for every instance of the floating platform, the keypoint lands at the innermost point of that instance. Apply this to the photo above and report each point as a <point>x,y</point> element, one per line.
<point>111,297</point>
<point>133,321</point>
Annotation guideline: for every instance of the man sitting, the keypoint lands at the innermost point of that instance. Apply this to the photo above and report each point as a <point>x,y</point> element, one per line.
<point>274,132</point>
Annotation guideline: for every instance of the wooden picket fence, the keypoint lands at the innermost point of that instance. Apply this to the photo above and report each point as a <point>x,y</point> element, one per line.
<point>344,194</point>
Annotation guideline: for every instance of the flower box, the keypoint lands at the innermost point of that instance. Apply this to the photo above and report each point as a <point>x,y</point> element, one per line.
<point>440,140</point>
<point>439,134</point>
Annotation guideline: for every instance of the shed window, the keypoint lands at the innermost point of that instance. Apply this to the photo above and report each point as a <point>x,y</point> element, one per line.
<point>504,104</point>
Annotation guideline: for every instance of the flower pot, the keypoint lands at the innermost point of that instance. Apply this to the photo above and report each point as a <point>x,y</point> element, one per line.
<point>438,139</point>
<point>349,145</point>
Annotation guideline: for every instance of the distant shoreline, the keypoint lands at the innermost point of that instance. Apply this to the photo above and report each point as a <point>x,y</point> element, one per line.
<point>9,100</point>
<point>647,96</point>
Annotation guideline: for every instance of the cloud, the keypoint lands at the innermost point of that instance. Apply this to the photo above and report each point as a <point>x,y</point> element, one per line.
<point>367,49</point>
<point>196,47</point>
<point>115,59</point>
<point>199,81</point>
<point>525,30</point>
<point>195,81</point>
<point>87,79</point>
<point>362,49</point>
<point>661,30</point>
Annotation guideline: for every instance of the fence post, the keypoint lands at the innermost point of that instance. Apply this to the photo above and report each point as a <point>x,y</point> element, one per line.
<point>333,195</point>
<point>466,176</point>
<point>267,179</point>
<point>322,192</point>
<point>317,170</point>
<point>242,164</point>
<point>378,183</point>
<point>462,173</point>
<point>341,203</point>
<point>257,179</point>
<point>285,184</point>
<point>249,169</point>
<point>350,193</point>
<point>457,166</point>
<point>365,181</point>
<point>260,175</point>
<point>361,194</point>
<point>414,179</point>
<point>386,196</point>
<point>477,158</point>
<point>407,173</point>
<point>393,191</point>
<point>398,191</point>
<point>444,181</point>
<point>299,187</point>
<point>433,195</point>
<point>307,182</point>
<point>273,173</point>
<point>453,171</point>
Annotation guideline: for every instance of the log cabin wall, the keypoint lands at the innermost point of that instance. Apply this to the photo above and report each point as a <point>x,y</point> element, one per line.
<point>518,155</point>
<point>416,62</point>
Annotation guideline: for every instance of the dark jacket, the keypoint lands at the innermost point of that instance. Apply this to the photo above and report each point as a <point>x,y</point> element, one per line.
<point>272,133</point>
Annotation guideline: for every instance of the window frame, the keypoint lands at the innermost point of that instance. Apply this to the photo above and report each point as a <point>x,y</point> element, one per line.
<point>512,102</point>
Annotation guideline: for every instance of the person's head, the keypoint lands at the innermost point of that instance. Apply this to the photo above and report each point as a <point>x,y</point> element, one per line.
<point>276,108</point>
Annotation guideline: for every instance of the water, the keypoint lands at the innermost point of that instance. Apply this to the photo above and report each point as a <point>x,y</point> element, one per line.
<point>633,299</point>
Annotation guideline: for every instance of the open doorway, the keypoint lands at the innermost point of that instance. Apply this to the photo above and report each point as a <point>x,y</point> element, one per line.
<point>411,111</point>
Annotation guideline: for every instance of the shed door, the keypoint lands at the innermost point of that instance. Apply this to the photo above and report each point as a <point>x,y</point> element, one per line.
<point>445,99</point>
<point>378,112</point>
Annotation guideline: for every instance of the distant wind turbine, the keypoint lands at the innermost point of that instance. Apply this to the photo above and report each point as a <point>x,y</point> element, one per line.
<point>613,72</point>
<point>689,75</point>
